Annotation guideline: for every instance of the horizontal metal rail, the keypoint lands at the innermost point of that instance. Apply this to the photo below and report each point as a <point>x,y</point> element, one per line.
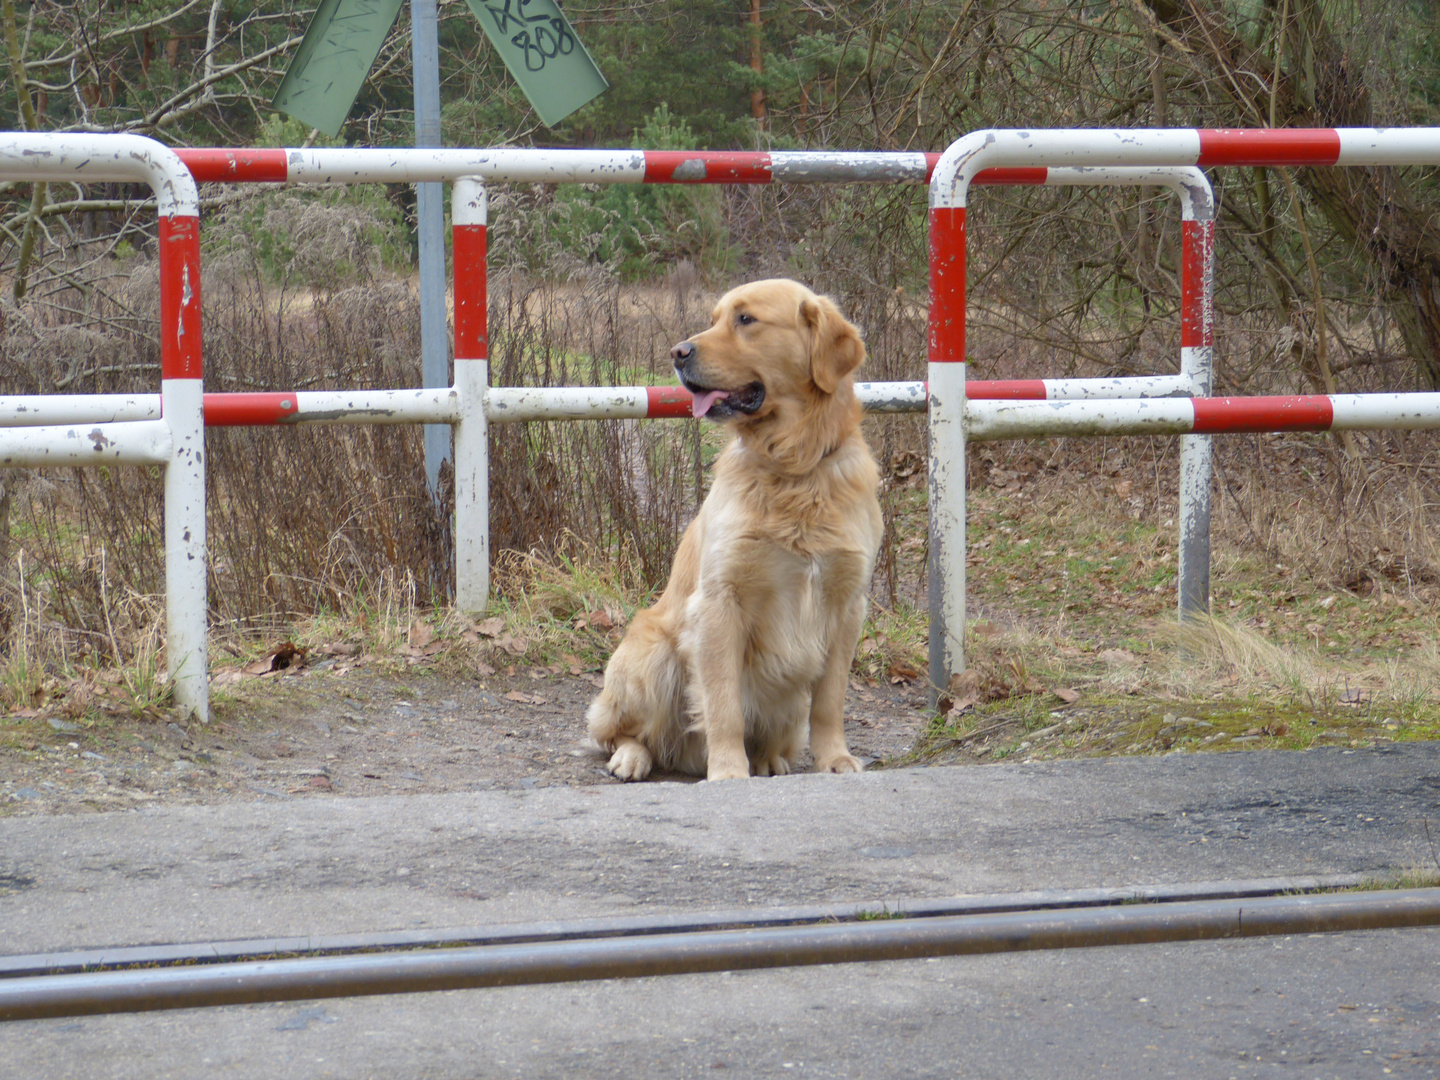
<point>1028,408</point>
<point>149,442</point>
<point>516,403</point>
<point>990,420</point>
<point>526,165</point>
<point>214,952</point>
<point>142,990</point>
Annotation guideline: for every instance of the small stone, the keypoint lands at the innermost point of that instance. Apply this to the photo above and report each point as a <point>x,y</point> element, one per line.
<point>63,725</point>
<point>321,783</point>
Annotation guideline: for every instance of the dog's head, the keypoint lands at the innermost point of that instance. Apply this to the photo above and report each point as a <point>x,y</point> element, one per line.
<point>774,350</point>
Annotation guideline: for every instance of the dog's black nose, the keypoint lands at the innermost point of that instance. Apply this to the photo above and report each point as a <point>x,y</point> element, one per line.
<point>682,352</point>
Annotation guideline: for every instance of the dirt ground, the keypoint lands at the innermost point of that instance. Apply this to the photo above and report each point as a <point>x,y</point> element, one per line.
<point>313,734</point>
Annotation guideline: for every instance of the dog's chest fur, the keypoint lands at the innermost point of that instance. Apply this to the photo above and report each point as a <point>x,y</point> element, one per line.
<point>789,555</point>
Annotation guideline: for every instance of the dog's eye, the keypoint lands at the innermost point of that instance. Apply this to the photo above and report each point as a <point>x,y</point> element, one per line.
<point>745,318</point>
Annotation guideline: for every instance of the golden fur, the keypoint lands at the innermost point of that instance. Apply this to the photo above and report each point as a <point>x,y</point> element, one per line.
<point>750,645</point>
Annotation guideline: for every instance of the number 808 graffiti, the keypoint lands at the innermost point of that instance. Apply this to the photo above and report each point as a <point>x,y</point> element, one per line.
<point>537,41</point>
<point>549,42</point>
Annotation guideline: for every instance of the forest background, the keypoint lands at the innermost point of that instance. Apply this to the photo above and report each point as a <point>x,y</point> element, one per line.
<point>1326,280</point>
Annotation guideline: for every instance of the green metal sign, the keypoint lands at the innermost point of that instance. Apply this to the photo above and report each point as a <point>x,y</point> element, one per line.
<point>533,37</point>
<point>542,51</point>
<point>340,45</point>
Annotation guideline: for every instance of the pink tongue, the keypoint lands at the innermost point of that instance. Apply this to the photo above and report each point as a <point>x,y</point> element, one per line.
<point>703,401</point>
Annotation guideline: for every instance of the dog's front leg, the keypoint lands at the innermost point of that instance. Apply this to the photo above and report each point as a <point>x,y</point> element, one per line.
<point>722,712</point>
<point>827,701</point>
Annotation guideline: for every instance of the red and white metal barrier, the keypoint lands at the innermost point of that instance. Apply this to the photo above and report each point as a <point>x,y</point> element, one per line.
<point>470,405</point>
<point>471,169</point>
<point>168,428</point>
<point>951,415</point>
<point>174,439</point>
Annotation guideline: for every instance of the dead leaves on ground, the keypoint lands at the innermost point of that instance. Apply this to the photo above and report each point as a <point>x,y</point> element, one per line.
<point>284,656</point>
<point>90,692</point>
<point>606,620</point>
<point>994,676</point>
<point>487,643</point>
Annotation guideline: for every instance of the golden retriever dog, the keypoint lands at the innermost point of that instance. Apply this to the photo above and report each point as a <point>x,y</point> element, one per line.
<point>750,645</point>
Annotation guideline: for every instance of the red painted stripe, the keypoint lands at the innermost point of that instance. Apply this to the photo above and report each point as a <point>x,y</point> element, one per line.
<point>1006,390</point>
<point>668,401</point>
<point>931,160</point>
<point>180,298</point>
<point>1197,260</point>
<point>947,285</point>
<point>470,296</point>
<point>1307,412</point>
<point>249,410</point>
<point>1269,146</point>
<point>1011,176</point>
<point>706,167</point>
<point>208,163</point>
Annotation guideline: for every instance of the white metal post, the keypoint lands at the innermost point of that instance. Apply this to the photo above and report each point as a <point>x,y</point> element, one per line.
<point>472,379</point>
<point>1197,358</point>
<point>946,365</point>
<point>182,402</point>
<point>76,158</point>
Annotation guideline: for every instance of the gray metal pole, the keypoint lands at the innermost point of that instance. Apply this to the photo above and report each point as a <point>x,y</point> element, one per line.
<point>430,227</point>
<point>142,990</point>
<point>211,952</point>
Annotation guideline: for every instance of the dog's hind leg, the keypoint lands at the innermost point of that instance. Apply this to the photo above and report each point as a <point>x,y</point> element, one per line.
<point>631,761</point>
<point>638,716</point>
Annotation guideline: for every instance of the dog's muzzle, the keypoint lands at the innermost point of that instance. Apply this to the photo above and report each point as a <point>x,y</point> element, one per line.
<point>711,402</point>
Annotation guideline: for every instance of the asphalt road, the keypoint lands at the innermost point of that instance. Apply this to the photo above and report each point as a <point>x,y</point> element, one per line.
<point>1359,1004</point>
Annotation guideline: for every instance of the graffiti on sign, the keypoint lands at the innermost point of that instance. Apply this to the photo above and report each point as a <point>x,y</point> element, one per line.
<point>533,37</point>
<point>542,51</point>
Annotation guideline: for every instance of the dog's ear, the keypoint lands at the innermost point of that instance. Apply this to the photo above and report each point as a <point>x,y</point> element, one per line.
<point>835,345</point>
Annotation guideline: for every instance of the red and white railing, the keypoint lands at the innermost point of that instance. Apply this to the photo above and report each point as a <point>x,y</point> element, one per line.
<point>167,428</point>
<point>453,405</point>
<point>172,435</point>
<point>953,417</point>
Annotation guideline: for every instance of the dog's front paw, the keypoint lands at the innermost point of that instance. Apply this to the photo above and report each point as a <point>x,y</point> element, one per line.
<point>774,765</point>
<point>631,761</point>
<point>840,763</point>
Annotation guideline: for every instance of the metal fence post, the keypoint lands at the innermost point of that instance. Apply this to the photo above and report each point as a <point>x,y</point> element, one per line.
<point>946,356</point>
<point>182,406</point>
<point>1197,359</point>
<point>472,452</point>
<point>430,228</point>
